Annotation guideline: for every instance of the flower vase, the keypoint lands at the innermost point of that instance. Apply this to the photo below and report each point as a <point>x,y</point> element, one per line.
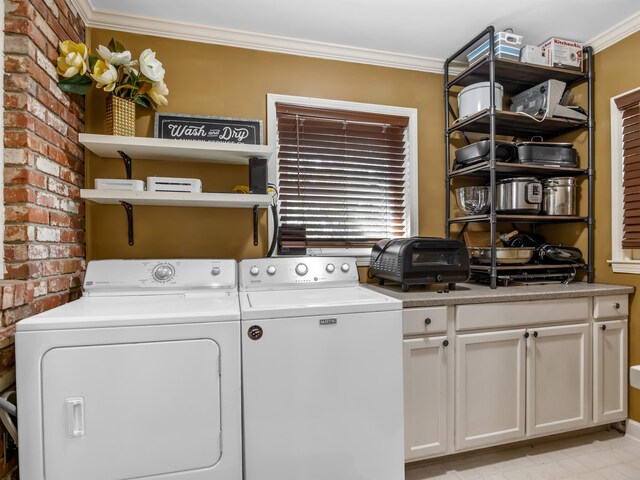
<point>120,116</point>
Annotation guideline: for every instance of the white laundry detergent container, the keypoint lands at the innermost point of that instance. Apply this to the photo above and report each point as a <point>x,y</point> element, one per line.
<point>475,98</point>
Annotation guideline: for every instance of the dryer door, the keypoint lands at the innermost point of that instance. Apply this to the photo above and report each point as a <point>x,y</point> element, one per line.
<point>131,410</point>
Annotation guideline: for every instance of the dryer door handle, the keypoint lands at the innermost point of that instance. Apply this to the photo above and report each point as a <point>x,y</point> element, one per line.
<point>75,417</point>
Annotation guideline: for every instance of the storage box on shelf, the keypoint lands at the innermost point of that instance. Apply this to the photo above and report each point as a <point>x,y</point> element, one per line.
<point>108,146</point>
<point>515,77</point>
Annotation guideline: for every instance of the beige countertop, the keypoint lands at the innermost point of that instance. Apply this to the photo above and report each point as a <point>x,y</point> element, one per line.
<point>426,296</point>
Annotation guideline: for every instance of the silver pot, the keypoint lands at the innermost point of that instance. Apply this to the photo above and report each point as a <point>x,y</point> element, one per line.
<point>559,196</point>
<point>522,195</point>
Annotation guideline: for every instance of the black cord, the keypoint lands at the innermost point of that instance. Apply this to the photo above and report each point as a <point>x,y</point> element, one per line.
<point>276,223</point>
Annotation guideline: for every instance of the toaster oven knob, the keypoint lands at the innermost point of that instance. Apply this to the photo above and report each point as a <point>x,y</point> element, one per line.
<point>302,269</point>
<point>271,270</point>
<point>254,270</point>
<point>345,267</point>
<point>331,268</point>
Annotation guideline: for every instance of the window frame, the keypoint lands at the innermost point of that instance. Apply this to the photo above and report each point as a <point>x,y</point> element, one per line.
<point>623,260</point>
<point>362,255</point>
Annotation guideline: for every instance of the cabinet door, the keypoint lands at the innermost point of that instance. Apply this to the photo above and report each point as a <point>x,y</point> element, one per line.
<point>425,397</point>
<point>490,388</point>
<point>557,380</point>
<point>609,371</point>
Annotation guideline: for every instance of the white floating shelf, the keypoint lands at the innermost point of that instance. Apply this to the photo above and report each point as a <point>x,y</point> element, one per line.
<point>175,199</point>
<point>145,148</point>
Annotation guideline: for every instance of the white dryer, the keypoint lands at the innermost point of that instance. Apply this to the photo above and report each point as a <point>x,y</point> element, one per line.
<point>139,378</point>
<point>322,373</point>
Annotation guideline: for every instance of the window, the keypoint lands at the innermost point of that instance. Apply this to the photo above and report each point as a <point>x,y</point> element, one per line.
<point>346,173</point>
<point>625,182</point>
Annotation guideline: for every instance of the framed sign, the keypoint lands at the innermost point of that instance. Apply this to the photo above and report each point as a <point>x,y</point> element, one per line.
<point>209,129</point>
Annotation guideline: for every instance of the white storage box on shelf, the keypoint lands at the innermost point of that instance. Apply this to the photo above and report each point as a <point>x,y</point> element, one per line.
<point>119,184</point>
<point>535,55</point>
<point>173,184</point>
<point>506,45</point>
<point>475,98</point>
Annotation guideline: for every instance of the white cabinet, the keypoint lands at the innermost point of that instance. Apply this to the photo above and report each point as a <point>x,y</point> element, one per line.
<point>558,385</point>
<point>426,372</point>
<point>499,373</point>
<point>610,371</point>
<point>490,388</point>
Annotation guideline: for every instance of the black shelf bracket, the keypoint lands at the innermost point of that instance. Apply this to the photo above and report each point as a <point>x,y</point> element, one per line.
<point>255,225</point>
<point>127,163</point>
<point>128,208</point>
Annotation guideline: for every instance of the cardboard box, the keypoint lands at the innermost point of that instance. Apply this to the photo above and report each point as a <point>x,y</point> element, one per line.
<point>535,55</point>
<point>564,53</point>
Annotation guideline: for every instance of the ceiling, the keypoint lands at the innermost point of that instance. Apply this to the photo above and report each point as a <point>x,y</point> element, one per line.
<point>430,29</point>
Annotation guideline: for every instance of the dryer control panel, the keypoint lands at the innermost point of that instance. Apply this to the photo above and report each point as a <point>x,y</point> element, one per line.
<point>122,276</point>
<point>283,272</point>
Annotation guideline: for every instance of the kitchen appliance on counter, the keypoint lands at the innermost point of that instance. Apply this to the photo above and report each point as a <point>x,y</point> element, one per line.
<point>520,195</point>
<point>321,372</point>
<point>139,378</point>
<point>420,261</point>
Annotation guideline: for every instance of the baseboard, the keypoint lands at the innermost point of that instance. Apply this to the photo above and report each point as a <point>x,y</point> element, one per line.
<point>633,430</point>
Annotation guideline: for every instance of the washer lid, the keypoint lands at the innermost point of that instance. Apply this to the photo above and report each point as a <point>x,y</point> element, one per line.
<point>319,301</point>
<point>100,312</point>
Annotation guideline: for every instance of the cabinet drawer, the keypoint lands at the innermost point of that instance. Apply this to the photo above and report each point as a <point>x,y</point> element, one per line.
<point>513,314</point>
<point>610,306</point>
<point>420,321</point>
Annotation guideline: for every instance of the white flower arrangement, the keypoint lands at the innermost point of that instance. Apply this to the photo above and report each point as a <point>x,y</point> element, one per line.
<point>141,81</point>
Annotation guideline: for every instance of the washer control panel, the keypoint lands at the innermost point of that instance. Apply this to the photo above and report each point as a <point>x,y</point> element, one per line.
<point>169,274</point>
<point>280,272</point>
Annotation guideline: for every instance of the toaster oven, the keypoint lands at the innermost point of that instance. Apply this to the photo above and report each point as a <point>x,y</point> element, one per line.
<point>420,261</point>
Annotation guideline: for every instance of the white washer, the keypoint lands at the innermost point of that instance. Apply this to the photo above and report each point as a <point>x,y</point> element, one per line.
<point>322,373</point>
<point>139,378</point>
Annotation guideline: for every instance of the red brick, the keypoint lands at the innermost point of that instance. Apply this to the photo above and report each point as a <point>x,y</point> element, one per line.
<point>16,25</point>
<point>26,213</point>
<point>18,233</point>
<point>8,356</point>
<point>22,271</point>
<point>21,194</point>
<point>10,317</point>
<point>58,284</point>
<point>24,176</point>
<point>18,119</point>
<point>15,100</point>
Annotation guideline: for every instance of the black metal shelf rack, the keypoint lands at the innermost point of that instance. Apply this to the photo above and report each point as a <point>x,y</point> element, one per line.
<point>514,77</point>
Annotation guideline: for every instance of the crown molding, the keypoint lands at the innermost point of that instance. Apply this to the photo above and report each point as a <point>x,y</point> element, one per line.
<point>616,33</point>
<point>96,18</point>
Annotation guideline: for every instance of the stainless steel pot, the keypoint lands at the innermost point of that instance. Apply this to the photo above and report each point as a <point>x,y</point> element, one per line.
<point>521,195</point>
<point>559,196</point>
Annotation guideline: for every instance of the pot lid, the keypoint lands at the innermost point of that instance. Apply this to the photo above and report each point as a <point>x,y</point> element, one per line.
<point>547,144</point>
<point>519,179</point>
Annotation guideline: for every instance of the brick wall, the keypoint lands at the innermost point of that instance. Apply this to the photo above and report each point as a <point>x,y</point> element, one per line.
<point>43,173</point>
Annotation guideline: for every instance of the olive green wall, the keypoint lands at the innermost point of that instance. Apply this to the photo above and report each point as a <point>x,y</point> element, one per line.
<point>617,71</point>
<point>224,81</point>
<point>215,80</point>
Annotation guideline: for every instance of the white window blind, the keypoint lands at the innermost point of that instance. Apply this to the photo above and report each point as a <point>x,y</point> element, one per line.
<point>342,176</point>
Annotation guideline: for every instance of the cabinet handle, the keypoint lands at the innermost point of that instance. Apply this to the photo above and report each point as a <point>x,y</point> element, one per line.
<point>617,305</point>
<point>535,334</point>
<point>526,334</point>
<point>445,343</point>
<point>603,328</point>
<point>427,321</point>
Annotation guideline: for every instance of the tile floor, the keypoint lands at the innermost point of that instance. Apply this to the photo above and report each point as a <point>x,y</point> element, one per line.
<point>596,456</point>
